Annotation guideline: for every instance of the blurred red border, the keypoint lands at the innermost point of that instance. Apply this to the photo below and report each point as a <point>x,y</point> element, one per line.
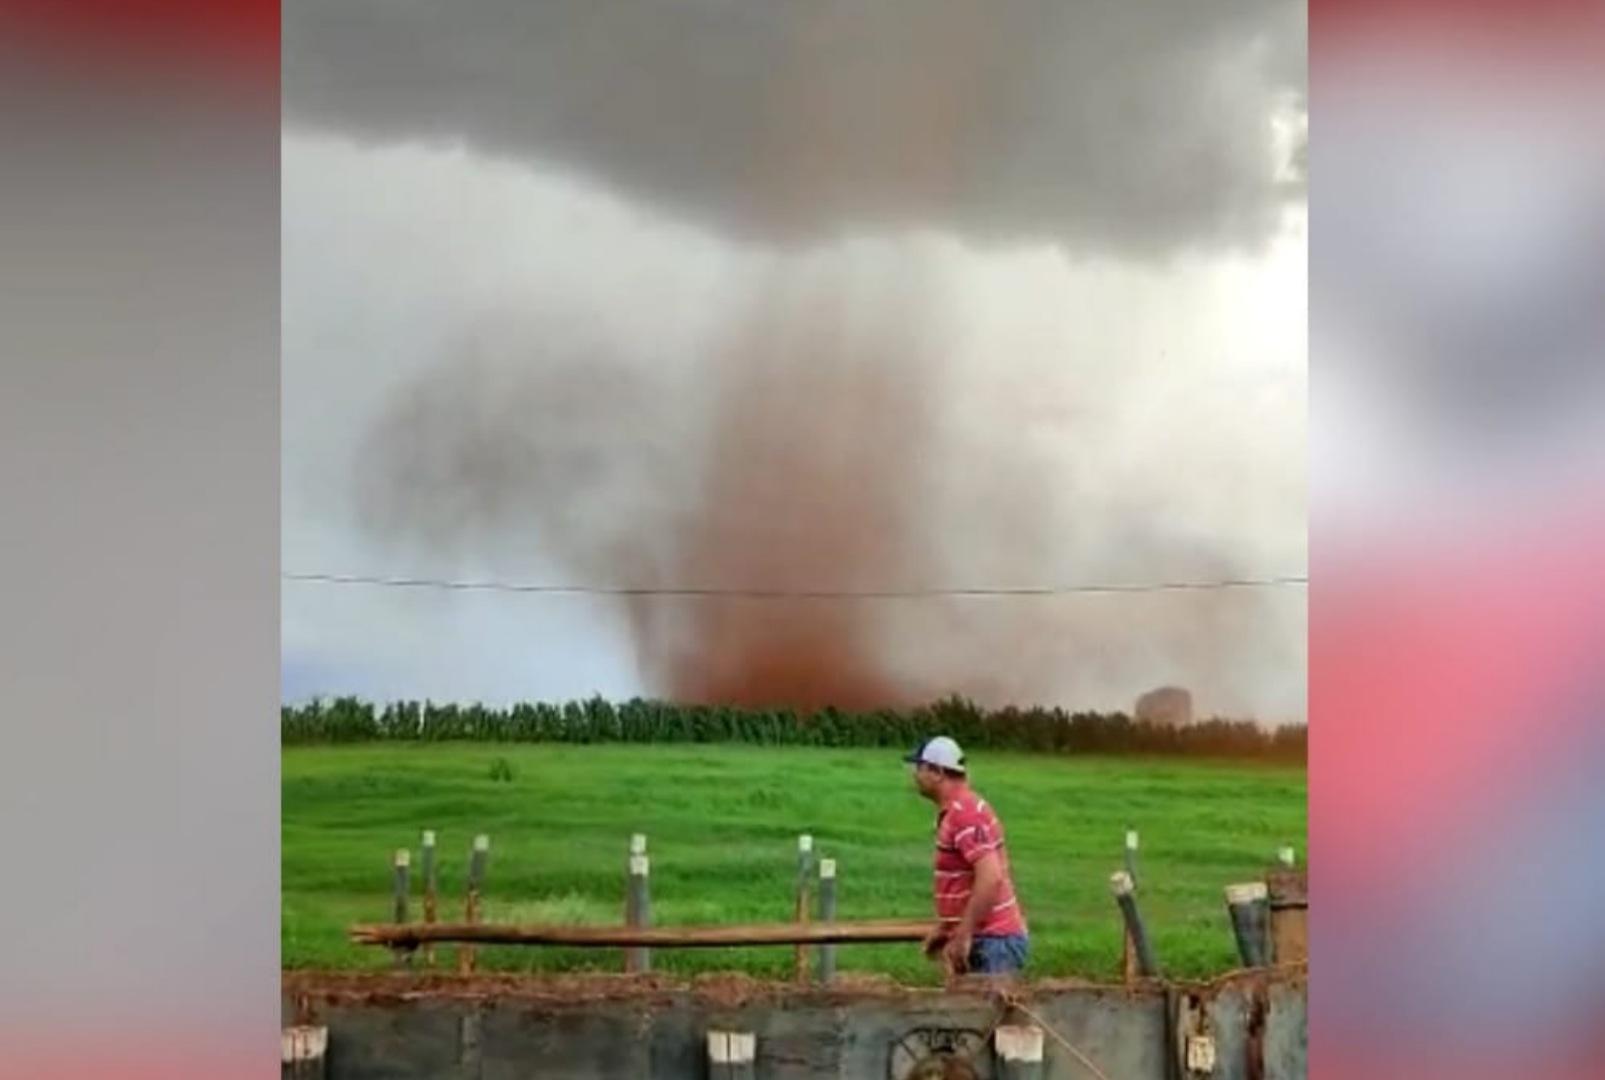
<point>238,32</point>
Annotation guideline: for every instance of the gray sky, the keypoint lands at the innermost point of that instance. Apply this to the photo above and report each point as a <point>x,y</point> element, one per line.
<point>773,295</point>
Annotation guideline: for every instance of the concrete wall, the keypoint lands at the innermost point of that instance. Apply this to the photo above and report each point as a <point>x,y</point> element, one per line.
<point>401,1027</point>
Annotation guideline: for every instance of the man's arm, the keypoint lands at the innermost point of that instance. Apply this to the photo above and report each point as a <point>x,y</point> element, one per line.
<point>988,879</point>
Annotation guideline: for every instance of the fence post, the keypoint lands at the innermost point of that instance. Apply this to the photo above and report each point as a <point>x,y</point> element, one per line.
<point>1019,1051</point>
<point>827,914</point>
<point>1120,884</point>
<point>1128,955</point>
<point>476,880</point>
<point>1288,898</point>
<point>303,1052</point>
<point>805,865</point>
<point>427,859</point>
<point>637,903</point>
<point>1250,913</point>
<point>732,1055</point>
<point>403,859</point>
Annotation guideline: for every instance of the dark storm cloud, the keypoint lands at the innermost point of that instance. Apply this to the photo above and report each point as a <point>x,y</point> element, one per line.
<point>1134,127</point>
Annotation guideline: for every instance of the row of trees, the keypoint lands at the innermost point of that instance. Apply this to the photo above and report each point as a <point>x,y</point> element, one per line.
<point>350,720</point>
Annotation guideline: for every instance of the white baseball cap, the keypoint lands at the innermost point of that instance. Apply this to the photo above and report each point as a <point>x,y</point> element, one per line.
<point>941,751</point>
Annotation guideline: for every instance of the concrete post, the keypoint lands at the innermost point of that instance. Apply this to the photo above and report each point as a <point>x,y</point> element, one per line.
<point>827,913</point>
<point>732,1055</point>
<point>476,878</point>
<point>1120,884</point>
<point>403,860</point>
<point>805,866</point>
<point>1250,914</point>
<point>1128,955</point>
<point>638,903</point>
<point>427,861</point>
<point>1019,1052</point>
<point>304,1052</point>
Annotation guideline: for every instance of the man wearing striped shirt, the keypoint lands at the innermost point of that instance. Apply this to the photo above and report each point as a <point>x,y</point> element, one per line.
<point>980,927</point>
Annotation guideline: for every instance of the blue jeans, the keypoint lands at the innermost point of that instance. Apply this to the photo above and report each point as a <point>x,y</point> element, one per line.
<point>999,955</point>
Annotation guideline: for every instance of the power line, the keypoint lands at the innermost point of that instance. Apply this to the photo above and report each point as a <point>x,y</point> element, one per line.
<point>793,594</point>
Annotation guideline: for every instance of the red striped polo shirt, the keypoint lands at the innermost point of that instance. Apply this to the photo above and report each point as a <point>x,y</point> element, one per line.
<point>967,829</point>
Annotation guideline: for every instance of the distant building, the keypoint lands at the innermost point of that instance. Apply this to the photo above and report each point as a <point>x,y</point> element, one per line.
<point>1168,706</point>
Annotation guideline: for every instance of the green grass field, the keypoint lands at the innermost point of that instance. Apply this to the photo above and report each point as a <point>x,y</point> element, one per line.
<point>723,823</point>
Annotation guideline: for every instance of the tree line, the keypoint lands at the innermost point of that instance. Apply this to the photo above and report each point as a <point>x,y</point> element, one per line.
<point>597,720</point>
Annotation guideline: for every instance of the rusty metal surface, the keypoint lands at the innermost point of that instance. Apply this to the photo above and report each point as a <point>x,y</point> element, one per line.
<point>1288,888</point>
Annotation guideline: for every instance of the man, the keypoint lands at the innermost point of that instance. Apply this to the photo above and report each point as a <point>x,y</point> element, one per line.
<point>980,926</point>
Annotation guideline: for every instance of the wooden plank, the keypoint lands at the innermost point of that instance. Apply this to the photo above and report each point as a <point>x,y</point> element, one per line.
<point>659,937</point>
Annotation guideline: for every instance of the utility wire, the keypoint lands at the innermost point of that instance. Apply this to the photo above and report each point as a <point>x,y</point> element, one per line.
<point>792,594</point>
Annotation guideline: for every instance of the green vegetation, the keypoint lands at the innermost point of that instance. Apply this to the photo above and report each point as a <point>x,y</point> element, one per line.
<point>722,822</point>
<point>349,720</point>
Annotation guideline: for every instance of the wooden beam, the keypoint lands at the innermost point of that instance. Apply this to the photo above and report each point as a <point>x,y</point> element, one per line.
<point>652,937</point>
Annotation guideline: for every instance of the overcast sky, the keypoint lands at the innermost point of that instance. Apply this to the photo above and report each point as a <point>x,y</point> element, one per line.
<point>795,296</point>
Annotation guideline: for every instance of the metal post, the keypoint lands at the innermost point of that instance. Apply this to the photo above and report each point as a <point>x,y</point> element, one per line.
<point>827,914</point>
<point>638,903</point>
<point>1121,885</point>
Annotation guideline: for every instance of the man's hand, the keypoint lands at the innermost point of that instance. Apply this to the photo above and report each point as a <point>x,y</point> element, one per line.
<point>932,946</point>
<point>956,952</point>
